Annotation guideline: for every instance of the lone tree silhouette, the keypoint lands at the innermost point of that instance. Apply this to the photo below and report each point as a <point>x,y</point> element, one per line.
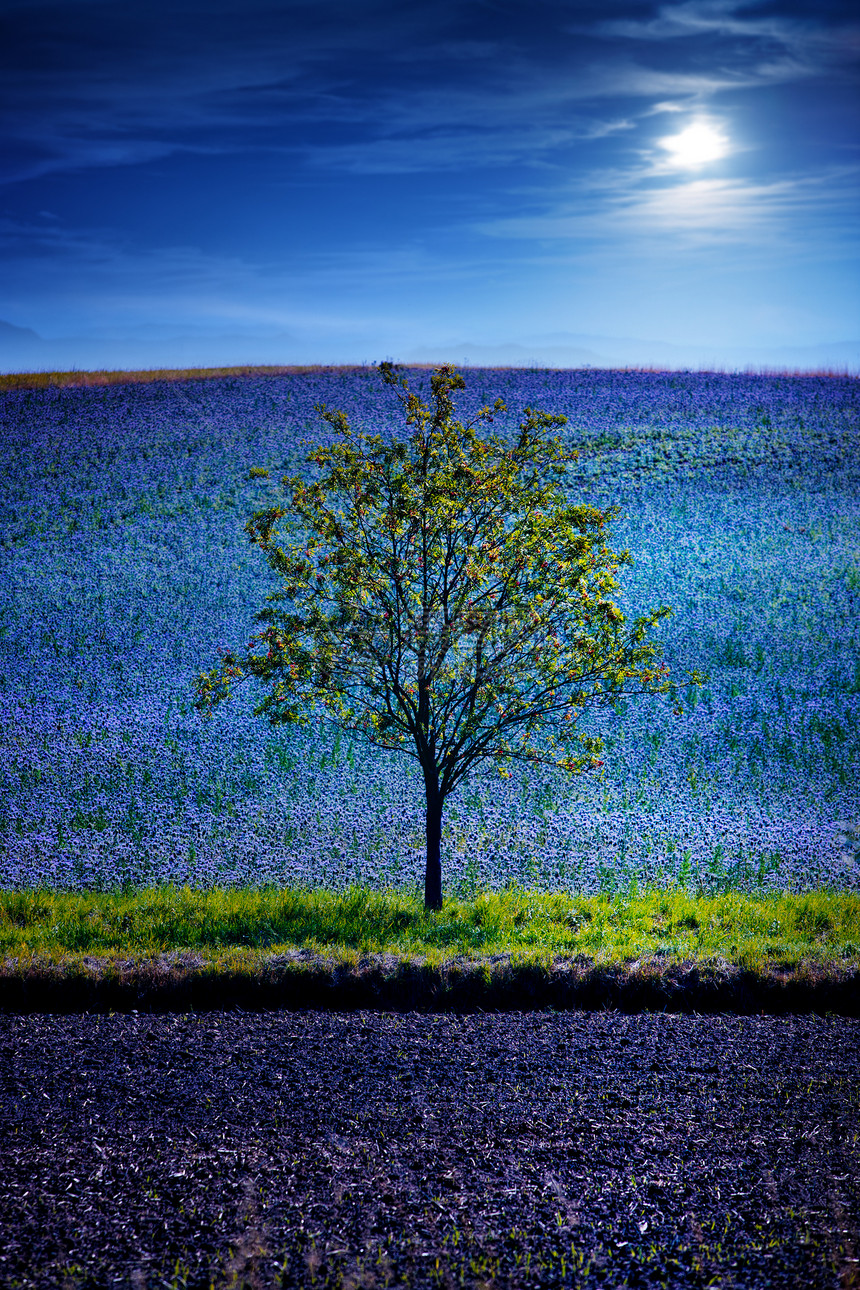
<point>453,603</point>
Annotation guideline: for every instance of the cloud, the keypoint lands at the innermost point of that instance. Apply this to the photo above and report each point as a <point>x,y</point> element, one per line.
<point>808,40</point>
<point>699,212</point>
<point>368,88</point>
<point>442,150</point>
<point>761,50</point>
<point>95,84</point>
<point>104,281</point>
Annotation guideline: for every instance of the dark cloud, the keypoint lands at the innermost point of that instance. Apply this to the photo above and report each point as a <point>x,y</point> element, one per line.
<point>103,84</point>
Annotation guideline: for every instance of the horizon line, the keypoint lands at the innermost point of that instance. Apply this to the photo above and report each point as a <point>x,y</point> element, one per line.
<point>90,377</point>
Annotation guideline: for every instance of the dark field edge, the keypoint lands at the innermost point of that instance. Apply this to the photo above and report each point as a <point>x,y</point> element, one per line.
<point>183,981</point>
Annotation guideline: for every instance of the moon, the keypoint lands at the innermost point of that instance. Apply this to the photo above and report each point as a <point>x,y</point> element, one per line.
<point>696,145</point>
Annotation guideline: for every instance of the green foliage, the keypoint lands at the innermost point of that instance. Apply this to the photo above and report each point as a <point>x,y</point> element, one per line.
<point>452,606</point>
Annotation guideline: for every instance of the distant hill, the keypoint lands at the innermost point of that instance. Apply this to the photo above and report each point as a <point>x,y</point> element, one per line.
<point>563,349</point>
<point>23,350</point>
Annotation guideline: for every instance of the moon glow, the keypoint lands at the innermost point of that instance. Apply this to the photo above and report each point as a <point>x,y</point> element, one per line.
<point>696,145</point>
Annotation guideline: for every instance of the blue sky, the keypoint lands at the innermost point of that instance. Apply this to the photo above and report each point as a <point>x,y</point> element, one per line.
<point>613,183</point>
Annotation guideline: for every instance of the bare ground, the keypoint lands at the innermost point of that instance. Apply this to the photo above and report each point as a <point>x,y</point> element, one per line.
<point>321,1148</point>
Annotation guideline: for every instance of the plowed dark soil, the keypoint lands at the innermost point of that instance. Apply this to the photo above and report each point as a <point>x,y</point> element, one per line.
<point>381,1149</point>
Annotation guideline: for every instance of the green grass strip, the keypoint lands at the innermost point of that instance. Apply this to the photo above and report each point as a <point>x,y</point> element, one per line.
<point>755,932</point>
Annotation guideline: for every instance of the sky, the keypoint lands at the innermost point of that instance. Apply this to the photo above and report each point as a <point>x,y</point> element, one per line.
<point>516,182</point>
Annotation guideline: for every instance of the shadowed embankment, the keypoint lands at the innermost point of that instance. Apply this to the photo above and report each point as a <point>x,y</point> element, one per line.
<point>298,979</point>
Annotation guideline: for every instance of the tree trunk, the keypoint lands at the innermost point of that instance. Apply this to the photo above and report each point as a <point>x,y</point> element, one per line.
<point>433,872</point>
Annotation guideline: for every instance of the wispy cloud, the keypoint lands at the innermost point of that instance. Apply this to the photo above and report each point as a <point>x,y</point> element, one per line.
<point>699,212</point>
<point>112,282</point>
<point>165,78</point>
<point>368,88</point>
<point>488,146</point>
<point>807,43</point>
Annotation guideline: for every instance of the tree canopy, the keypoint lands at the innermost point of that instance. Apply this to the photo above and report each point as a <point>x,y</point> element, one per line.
<point>442,599</point>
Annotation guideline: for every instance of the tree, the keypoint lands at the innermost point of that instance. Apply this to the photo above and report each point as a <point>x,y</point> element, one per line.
<point>454,603</point>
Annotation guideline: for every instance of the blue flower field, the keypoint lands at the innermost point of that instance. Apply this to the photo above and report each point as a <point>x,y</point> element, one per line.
<point>125,568</point>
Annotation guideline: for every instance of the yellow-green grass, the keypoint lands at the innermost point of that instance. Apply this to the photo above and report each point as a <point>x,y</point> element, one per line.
<point>754,932</point>
<point>77,376</point>
<point>44,380</point>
